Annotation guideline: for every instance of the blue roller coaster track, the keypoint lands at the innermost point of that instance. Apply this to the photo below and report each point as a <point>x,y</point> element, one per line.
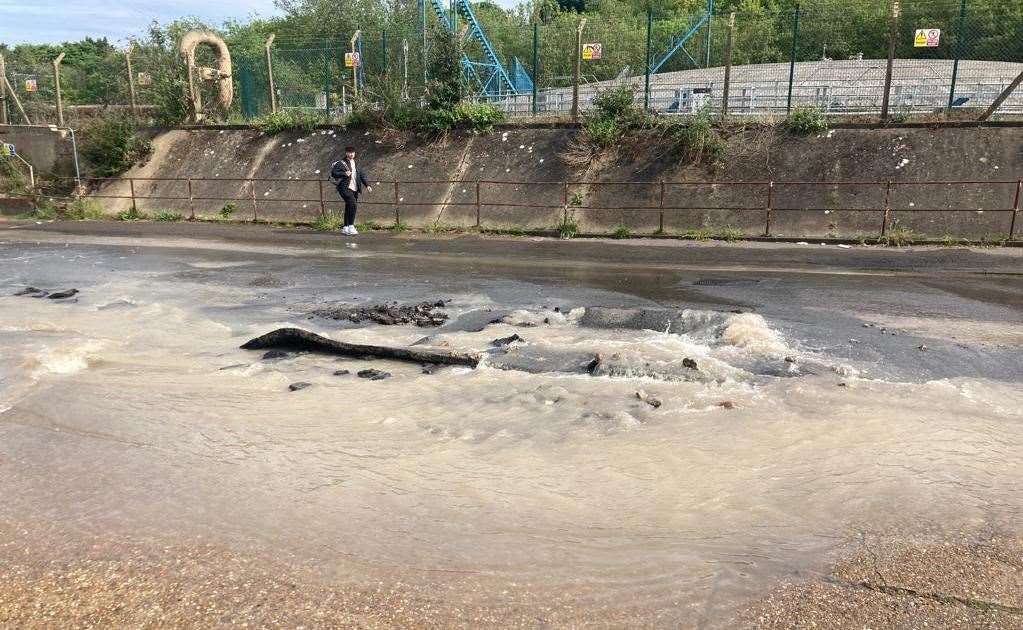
<point>486,73</point>
<point>678,43</point>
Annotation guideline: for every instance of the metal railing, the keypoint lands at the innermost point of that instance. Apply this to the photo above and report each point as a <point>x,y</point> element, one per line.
<point>652,203</point>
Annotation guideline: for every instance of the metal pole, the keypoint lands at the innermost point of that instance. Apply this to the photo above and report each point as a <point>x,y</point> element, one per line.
<point>3,91</point>
<point>56,85</point>
<point>252,194</point>
<point>355,67</point>
<point>191,201</point>
<point>646,73</point>
<point>728,64</point>
<point>660,222</point>
<point>478,209</point>
<point>131,189</point>
<point>270,73</point>
<point>887,207</point>
<point>383,51</point>
<point>74,150</point>
<point>397,204</point>
<point>422,14</point>
<point>792,59</point>
<point>958,53</point>
<point>17,101</point>
<point>131,81</point>
<point>1001,97</point>
<point>1015,210</point>
<point>893,36</point>
<point>536,64</point>
<point>710,25</point>
<point>770,202</point>
<point>578,68</point>
<point>326,86</point>
<point>323,204</point>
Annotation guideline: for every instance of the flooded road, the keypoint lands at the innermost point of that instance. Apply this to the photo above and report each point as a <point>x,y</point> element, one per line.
<point>828,405</point>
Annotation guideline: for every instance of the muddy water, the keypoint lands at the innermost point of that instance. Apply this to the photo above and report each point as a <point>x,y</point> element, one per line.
<point>133,410</point>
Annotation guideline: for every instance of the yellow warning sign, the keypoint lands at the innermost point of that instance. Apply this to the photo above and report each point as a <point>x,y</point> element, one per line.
<point>352,60</point>
<point>31,85</point>
<point>927,38</point>
<point>592,52</point>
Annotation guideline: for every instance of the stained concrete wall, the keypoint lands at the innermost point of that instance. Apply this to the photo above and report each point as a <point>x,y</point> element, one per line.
<point>504,159</point>
<point>49,150</point>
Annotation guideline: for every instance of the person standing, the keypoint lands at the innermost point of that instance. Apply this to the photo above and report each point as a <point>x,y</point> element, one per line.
<point>351,181</point>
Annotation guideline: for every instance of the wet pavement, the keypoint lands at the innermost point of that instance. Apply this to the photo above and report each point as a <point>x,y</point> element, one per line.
<point>874,402</point>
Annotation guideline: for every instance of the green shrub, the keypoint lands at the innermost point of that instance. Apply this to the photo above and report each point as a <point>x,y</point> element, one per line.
<point>83,210</point>
<point>731,234</point>
<point>168,216</point>
<point>806,120</point>
<point>604,133</point>
<point>694,138</point>
<point>399,227</point>
<point>613,114</point>
<point>228,210</point>
<point>131,214</point>
<point>440,228</point>
<point>43,209</point>
<point>478,117</point>
<point>897,236</point>
<point>568,228</point>
<point>329,222</point>
<point>288,120</point>
<point>368,226</point>
<point>616,104</point>
<point>698,234</point>
<point>111,145</point>
<point>621,231</point>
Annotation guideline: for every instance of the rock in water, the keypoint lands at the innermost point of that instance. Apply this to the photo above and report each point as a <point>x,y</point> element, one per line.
<point>421,314</point>
<point>60,295</point>
<point>689,363</point>
<point>299,385</point>
<point>32,291</point>
<point>726,404</point>
<point>374,375</point>
<point>275,354</point>
<point>506,341</point>
<point>650,400</point>
<point>298,339</point>
<point>342,373</point>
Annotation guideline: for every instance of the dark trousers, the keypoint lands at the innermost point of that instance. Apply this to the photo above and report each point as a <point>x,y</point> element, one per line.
<point>351,197</point>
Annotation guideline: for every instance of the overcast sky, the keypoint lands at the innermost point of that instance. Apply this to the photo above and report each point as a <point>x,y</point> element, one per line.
<point>67,20</point>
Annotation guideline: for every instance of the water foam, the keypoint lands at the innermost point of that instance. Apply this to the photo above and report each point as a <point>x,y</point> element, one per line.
<point>751,332</point>
<point>65,360</point>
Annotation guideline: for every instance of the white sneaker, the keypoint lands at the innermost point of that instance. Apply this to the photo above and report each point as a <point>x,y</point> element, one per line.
<point>346,230</point>
<point>352,231</point>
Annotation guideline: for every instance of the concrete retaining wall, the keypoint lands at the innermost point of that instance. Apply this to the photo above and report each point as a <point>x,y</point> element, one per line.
<point>506,158</point>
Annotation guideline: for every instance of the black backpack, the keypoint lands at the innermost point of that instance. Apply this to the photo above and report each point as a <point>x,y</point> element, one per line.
<point>338,172</point>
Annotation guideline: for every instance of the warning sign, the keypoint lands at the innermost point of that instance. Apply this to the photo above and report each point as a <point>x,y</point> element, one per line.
<point>7,149</point>
<point>591,52</point>
<point>927,38</point>
<point>353,60</point>
<point>31,85</point>
<point>144,79</point>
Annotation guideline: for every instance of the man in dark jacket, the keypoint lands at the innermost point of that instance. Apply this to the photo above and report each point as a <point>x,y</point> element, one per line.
<point>351,181</point>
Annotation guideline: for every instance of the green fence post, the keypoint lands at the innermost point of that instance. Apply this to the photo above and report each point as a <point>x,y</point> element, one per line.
<point>536,64</point>
<point>649,38</point>
<point>792,59</point>
<point>710,25</point>
<point>326,84</point>
<point>958,53</point>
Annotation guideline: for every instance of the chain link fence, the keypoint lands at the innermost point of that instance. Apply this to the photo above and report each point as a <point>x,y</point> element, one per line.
<point>946,57</point>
